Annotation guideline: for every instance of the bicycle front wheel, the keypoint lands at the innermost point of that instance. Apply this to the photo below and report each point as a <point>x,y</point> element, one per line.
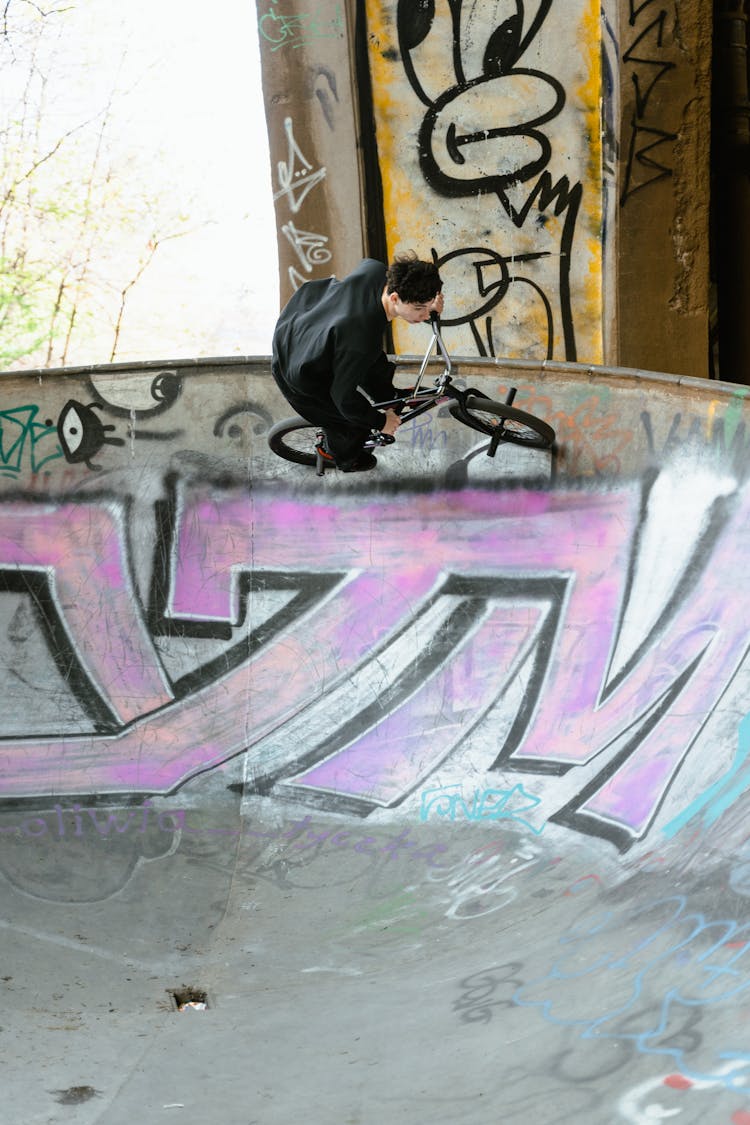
<point>294,440</point>
<point>498,419</point>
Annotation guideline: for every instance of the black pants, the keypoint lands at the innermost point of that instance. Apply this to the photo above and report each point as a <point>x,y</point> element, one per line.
<point>345,439</point>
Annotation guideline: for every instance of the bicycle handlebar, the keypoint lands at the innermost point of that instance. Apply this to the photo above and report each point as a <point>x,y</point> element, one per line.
<point>386,439</point>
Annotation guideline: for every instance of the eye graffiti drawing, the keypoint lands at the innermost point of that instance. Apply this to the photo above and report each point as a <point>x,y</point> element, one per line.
<point>129,395</point>
<point>82,434</point>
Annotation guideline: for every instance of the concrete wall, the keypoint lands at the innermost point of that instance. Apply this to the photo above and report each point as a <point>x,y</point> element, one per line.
<point>311,110</point>
<point>662,52</point>
<point>488,137</point>
<point>433,779</point>
<point>174,596</point>
<point>552,158</point>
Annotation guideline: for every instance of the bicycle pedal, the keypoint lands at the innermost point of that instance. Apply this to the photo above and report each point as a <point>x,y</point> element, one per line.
<point>493,444</point>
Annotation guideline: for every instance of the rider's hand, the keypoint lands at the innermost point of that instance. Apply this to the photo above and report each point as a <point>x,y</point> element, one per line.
<point>438,304</point>
<point>392,422</point>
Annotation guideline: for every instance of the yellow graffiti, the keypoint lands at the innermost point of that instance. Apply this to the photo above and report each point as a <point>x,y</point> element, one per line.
<point>589,95</point>
<point>511,222</point>
<point>711,418</point>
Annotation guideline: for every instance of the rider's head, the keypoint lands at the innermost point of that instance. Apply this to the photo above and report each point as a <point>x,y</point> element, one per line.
<point>411,287</point>
<point>416,282</point>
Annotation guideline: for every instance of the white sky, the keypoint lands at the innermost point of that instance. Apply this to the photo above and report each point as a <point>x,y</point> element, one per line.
<point>189,122</point>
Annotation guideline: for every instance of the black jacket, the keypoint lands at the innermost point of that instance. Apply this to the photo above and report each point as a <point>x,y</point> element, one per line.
<point>329,339</point>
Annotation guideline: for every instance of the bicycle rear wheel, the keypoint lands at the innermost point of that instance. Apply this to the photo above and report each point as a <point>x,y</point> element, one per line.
<point>294,440</point>
<point>498,419</point>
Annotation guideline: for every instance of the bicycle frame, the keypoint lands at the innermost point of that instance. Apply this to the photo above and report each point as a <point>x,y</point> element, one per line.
<point>499,422</point>
<point>436,341</point>
<point>429,397</point>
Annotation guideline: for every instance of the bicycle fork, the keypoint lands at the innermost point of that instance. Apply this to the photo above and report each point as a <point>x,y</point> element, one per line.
<point>320,459</point>
<point>497,437</point>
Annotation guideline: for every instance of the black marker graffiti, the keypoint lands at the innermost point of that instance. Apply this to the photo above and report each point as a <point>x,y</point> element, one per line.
<point>82,434</point>
<point>462,154</point>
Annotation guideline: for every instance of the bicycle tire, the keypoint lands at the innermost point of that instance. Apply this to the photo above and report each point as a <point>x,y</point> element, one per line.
<point>293,439</point>
<point>517,426</point>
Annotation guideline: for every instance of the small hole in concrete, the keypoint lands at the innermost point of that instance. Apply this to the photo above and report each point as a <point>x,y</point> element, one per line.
<point>76,1095</point>
<point>188,999</point>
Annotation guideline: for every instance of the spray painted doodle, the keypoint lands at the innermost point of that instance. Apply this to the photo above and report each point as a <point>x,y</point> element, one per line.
<point>431,620</point>
<point>490,126</point>
<point>697,963</point>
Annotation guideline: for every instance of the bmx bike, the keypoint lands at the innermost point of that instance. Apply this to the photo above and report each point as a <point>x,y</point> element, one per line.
<point>297,440</point>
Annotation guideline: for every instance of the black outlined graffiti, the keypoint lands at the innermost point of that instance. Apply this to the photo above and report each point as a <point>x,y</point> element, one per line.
<point>460,618</point>
<point>462,154</point>
<point>38,586</point>
<point>649,148</point>
<point>299,594</point>
<point>130,396</point>
<point>82,434</point>
<point>226,422</point>
<point>346,685</point>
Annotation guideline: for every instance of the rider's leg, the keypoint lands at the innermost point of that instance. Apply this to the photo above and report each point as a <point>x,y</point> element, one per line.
<point>343,440</point>
<point>345,443</point>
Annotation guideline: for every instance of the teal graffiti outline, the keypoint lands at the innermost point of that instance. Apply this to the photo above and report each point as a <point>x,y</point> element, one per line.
<point>718,804</point>
<point>31,432</point>
<point>298,30</point>
<point>477,809</point>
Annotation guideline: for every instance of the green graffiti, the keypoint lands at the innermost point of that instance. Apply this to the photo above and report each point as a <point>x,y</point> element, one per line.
<point>24,442</point>
<point>297,30</point>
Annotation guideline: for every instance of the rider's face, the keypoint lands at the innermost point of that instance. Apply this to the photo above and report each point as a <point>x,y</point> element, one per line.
<point>415,313</point>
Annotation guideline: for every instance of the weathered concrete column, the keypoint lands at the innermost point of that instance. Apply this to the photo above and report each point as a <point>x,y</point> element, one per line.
<point>313,130</point>
<point>553,160</point>
<point>664,60</point>
<point>731,123</point>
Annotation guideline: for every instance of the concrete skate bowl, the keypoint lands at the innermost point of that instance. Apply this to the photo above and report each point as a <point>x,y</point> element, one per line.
<point>410,796</point>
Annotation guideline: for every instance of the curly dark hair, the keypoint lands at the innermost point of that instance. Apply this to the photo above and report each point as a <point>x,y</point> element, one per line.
<point>415,281</point>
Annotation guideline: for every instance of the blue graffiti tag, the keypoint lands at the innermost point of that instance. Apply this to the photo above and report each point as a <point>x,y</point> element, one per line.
<point>487,804</point>
<point>599,987</point>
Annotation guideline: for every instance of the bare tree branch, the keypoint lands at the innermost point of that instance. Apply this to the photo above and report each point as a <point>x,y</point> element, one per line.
<point>152,246</point>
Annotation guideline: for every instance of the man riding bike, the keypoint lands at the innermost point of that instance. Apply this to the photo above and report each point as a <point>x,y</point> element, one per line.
<point>329,340</point>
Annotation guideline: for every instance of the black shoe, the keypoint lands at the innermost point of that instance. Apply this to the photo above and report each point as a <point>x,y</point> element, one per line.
<point>360,464</point>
